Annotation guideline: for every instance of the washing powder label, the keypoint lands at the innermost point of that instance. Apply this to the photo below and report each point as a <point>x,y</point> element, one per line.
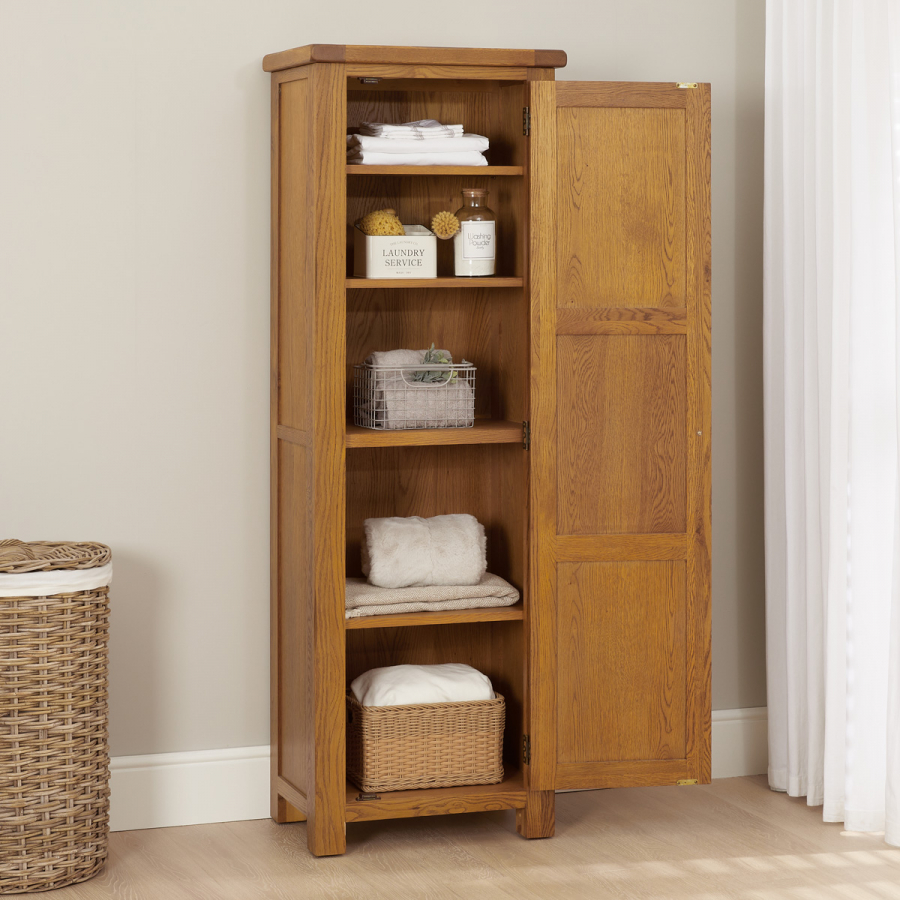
<point>478,240</point>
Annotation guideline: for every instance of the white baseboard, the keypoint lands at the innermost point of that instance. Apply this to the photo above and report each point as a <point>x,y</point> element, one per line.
<point>198,787</point>
<point>740,742</point>
<point>193,788</point>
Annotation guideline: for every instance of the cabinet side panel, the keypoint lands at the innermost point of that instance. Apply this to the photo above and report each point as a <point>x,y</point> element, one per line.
<point>699,302</point>
<point>292,297</point>
<point>295,593</point>
<point>326,830</point>
<point>296,270</point>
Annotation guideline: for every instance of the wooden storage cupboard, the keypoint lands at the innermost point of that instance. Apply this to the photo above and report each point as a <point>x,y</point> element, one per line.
<point>589,463</point>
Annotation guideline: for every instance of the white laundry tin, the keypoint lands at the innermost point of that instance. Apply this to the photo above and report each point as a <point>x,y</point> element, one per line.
<point>390,256</point>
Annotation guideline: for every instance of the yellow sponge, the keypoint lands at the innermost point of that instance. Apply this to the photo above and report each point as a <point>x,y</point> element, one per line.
<point>381,222</point>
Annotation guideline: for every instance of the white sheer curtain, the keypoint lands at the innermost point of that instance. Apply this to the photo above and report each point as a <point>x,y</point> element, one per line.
<point>832,368</point>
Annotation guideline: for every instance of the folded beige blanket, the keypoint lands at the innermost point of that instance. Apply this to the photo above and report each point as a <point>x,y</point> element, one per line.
<point>364,599</point>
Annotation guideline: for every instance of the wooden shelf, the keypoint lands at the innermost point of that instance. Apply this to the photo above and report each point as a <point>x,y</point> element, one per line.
<point>492,281</point>
<point>443,617</point>
<point>474,171</point>
<point>484,431</point>
<point>509,794</point>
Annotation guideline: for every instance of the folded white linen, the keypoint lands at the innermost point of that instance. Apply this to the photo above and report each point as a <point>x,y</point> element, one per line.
<point>357,142</point>
<point>413,552</point>
<point>371,158</point>
<point>420,130</point>
<point>405,685</point>
<point>364,599</point>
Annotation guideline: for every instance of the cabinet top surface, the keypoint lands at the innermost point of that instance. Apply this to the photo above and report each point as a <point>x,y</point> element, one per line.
<point>414,56</point>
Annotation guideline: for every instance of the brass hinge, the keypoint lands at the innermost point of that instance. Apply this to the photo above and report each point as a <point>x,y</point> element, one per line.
<point>368,797</point>
<point>526,435</point>
<point>526,749</point>
<point>684,781</point>
<point>687,84</point>
<point>526,120</point>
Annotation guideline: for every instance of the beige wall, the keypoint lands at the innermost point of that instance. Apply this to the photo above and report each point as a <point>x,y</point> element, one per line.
<point>134,290</point>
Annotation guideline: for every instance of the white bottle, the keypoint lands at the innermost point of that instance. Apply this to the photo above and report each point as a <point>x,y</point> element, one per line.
<point>475,244</point>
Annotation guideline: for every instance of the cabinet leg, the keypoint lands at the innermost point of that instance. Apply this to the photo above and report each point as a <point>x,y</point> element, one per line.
<point>326,837</point>
<point>283,812</point>
<point>538,818</point>
<point>278,809</point>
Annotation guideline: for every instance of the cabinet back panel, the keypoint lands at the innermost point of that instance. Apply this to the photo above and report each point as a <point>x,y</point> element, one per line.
<point>485,326</point>
<point>417,200</point>
<point>463,322</point>
<point>622,661</point>
<point>434,481</point>
<point>621,442</point>
<point>477,108</point>
<point>495,648</point>
<point>622,207</point>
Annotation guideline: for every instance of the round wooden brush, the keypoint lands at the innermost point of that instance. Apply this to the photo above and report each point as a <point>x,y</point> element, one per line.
<point>445,225</point>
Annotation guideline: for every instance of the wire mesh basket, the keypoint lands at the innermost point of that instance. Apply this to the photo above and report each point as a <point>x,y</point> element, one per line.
<point>432,395</point>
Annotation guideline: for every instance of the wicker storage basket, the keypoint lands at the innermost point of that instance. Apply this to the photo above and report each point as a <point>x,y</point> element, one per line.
<point>54,758</point>
<point>431,745</point>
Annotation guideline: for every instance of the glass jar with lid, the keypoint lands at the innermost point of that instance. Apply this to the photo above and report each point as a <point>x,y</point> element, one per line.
<point>474,245</point>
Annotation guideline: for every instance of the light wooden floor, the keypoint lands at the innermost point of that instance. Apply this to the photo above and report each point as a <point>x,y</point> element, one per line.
<point>734,838</point>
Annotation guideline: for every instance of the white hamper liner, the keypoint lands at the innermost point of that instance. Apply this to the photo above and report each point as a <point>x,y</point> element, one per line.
<point>59,581</point>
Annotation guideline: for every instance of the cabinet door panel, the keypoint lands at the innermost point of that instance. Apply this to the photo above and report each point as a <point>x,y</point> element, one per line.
<point>612,250</point>
<point>620,281</point>
<point>621,441</point>
<point>622,661</point>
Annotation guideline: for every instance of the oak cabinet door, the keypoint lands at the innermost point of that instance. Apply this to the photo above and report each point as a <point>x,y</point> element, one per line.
<point>619,638</point>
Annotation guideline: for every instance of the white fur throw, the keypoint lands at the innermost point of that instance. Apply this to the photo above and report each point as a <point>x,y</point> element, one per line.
<point>415,552</point>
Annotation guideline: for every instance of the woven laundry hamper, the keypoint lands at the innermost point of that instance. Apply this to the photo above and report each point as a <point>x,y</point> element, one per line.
<point>54,755</point>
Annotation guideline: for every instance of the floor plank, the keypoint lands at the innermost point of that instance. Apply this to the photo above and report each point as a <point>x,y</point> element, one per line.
<point>732,839</point>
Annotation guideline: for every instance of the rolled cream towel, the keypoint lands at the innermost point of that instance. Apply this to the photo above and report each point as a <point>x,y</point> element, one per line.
<point>414,552</point>
<point>399,358</point>
<point>405,685</point>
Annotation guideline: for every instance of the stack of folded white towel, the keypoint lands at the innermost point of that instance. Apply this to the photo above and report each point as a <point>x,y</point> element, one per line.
<point>423,143</point>
<point>419,565</point>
